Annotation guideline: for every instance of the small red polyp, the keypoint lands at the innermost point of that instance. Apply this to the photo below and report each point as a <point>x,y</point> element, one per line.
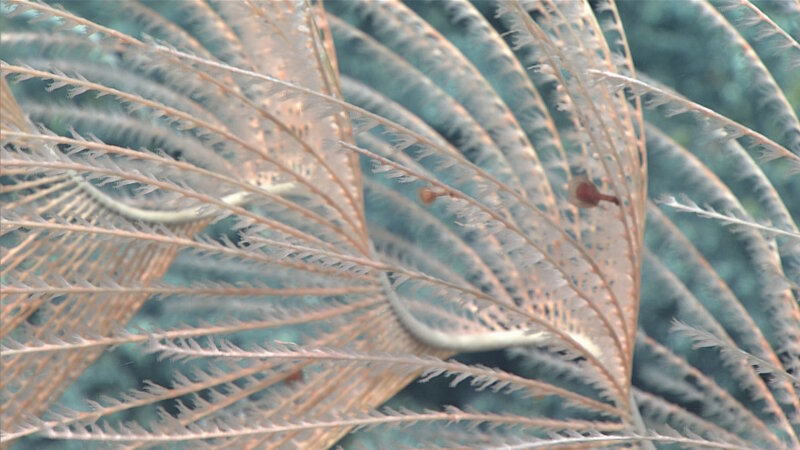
<point>584,194</point>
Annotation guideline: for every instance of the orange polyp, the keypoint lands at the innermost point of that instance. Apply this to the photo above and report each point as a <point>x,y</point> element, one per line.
<point>428,195</point>
<point>295,376</point>
<point>584,194</point>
